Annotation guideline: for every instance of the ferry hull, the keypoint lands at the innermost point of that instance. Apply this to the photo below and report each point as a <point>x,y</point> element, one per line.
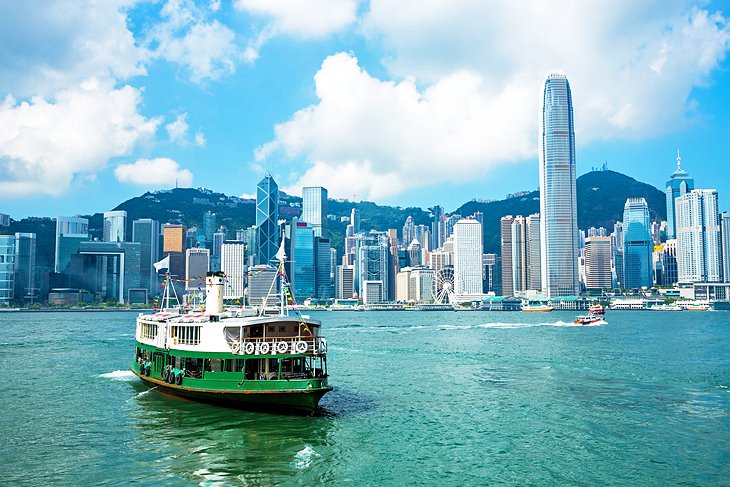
<point>300,401</point>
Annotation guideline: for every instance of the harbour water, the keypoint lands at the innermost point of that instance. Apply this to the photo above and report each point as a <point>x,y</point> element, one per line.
<point>421,398</point>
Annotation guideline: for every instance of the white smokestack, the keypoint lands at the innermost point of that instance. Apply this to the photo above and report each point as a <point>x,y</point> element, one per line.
<point>214,293</point>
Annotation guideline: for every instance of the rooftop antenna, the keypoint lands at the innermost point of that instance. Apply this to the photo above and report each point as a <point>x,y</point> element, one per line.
<point>679,159</point>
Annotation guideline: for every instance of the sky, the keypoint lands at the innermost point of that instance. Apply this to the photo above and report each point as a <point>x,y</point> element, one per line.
<point>408,102</point>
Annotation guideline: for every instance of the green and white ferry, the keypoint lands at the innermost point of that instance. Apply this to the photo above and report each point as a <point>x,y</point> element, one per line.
<point>238,357</point>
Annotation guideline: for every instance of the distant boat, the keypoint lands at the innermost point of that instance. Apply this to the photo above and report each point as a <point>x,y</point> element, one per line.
<point>665,307</point>
<point>589,319</point>
<point>597,309</point>
<point>697,307</point>
<point>537,308</point>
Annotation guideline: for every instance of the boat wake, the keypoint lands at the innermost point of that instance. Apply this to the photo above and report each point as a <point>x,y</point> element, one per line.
<point>120,375</point>
<point>304,457</point>
<point>560,324</point>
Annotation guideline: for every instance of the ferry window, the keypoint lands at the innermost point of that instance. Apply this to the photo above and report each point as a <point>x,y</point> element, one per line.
<point>215,365</point>
<point>282,329</point>
<point>271,329</point>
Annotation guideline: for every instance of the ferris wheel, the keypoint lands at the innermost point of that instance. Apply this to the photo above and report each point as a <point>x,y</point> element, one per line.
<point>443,285</point>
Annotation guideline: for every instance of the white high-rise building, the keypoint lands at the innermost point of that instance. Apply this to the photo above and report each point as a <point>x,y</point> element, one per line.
<point>233,265</point>
<point>467,257</point>
<point>534,279</point>
<point>115,226</point>
<point>698,236</point>
<point>559,225</point>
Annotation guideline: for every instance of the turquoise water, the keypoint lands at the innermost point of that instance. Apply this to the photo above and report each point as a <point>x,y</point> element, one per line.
<point>431,398</point>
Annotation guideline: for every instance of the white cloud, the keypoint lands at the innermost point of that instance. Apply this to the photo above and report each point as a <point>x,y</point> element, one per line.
<point>468,84</point>
<point>160,171</point>
<point>178,129</point>
<point>53,45</point>
<point>206,49</point>
<point>46,143</point>
<point>200,139</point>
<point>377,138</point>
<point>303,19</point>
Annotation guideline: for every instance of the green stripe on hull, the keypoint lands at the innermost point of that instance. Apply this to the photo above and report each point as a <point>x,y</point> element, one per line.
<point>301,400</point>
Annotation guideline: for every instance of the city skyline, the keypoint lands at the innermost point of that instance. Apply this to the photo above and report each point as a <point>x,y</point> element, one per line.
<point>650,81</point>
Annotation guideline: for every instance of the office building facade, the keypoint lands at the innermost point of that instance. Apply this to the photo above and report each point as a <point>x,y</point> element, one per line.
<point>70,232</point>
<point>197,265</point>
<point>146,232</point>
<point>559,224</point>
<point>115,226</point>
<point>698,236</point>
<point>233,265</point>
<point>27,288</point>
<point>314,209</point>
<point>679,184</point>
<point>467,257</point>
<point>267,220</point>
<point>7,270</point>
<point>598,257</point>
<point>637,245</point>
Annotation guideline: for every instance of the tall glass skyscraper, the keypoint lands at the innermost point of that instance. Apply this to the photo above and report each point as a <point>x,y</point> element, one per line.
<point>25,269</point>
<point>147,232</point>
<point>638,244</point>
<point>559,225</point>
<point>314,209</point>
<point>301,259</point>
<point>267,218</point>
<point>679,184</point>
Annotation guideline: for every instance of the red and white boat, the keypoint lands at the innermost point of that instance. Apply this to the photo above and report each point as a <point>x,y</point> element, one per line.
<point>597,309</point>
<point>590,319</point>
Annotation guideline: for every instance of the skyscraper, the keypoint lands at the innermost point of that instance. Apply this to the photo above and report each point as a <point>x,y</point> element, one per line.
<point>437,214</point>
<point>301,258</point>
<point>147,232</point>
<point>467,257</point>
<point>314,209</point>
<point>638,244</point>
<point>559,227</point>
<point>25,267</point>
<point>174,245</point>
<point>725,232</point>
<point>197,265</point>
<point>679,184</point>
<point>208,226</point>
<point>115,226</point>
<point>598,263</point>
<point>267,220</point>
<point>233,265</point>
<point>409,232</point>
<point>323,288</point>
<point>372,265</point>
<point>354,226</point>
<point>505,226</point>
<point>7,269</point>
<point>70,232</point>
<point>534,272</point>
<point>519,255</point>
<point>698,236</point>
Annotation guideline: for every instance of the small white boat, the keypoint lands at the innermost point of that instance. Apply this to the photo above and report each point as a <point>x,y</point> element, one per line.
<point>537,308</point>
<point>665,307</point>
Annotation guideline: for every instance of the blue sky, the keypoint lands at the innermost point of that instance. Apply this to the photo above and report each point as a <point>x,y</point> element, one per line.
<point>408,103</point>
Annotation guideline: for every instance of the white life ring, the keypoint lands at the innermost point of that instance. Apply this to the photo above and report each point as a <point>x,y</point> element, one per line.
<point>282,347</point>
<point>235,347</point>
<point>300,347</point>
<point>248,348</point>
<point>323,345</point>
<point>264,348</point>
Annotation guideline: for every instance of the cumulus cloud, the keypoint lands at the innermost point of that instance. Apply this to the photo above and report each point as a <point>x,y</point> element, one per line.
<point>206,48</point>
<point>160,171</point>
<point>177,129</point>
<point>303,19</point>
<point>461,99</point>
<point>46,143</point>
<point>378,138</point>
<point>52,45</point>
<point>200,139</point>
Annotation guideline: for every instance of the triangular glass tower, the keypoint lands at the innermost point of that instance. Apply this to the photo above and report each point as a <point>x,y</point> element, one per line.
<point>267,217</point>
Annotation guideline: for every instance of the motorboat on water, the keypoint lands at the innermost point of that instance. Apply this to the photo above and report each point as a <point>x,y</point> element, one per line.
<point>589,319</point>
